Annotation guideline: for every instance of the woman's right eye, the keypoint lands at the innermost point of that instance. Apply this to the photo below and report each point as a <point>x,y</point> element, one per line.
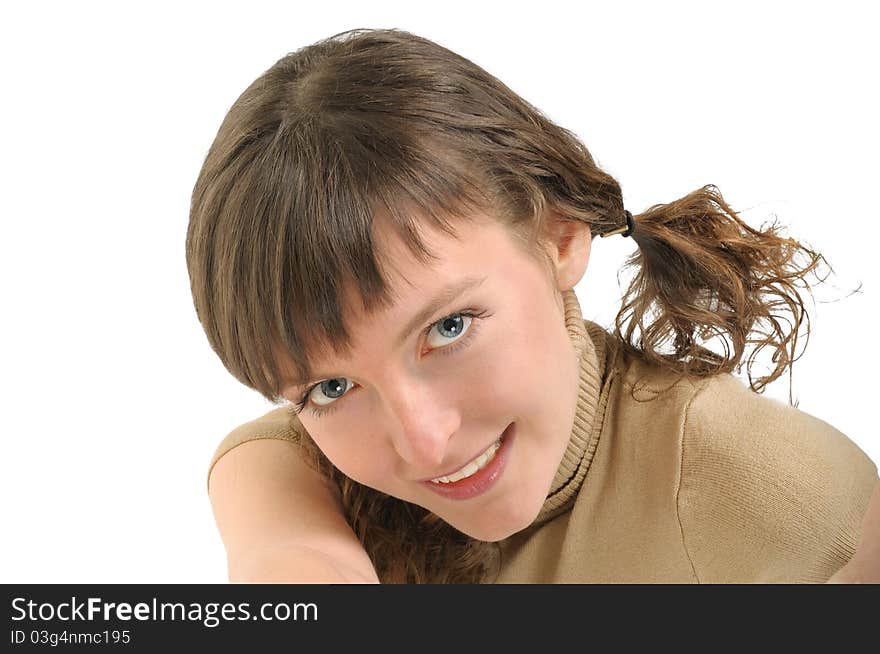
<point>332,389</point>
<point>325,392</point>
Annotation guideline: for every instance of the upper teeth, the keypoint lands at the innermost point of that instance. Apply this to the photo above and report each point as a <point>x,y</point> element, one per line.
<point>471,467</point>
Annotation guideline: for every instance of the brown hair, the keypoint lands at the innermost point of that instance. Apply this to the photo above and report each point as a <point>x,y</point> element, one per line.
<point>281,218</point>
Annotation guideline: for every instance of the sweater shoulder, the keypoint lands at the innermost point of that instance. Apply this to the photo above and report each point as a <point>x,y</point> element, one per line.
<point>768,492</point>
<point>280,423</point>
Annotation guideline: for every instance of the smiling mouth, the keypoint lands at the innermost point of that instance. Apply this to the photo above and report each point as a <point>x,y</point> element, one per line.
<point>473,479</point>
<point>468,469</point>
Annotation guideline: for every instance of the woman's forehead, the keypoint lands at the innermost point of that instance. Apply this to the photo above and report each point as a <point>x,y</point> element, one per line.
<point>470,235</point>
<point>459,263</point>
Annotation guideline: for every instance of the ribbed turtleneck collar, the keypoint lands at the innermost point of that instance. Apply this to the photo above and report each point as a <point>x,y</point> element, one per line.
<point>588,340</point>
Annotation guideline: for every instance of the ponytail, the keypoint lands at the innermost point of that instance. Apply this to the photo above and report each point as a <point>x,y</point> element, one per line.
<point>701,273</point>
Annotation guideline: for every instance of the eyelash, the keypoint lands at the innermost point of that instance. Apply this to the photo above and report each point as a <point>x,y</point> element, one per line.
<point>475,314</point>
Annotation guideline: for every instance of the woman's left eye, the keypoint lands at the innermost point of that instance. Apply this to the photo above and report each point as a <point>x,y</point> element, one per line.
<point>449,328</point>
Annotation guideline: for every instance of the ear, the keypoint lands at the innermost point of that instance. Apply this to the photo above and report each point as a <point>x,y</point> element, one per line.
<point>569,247</point>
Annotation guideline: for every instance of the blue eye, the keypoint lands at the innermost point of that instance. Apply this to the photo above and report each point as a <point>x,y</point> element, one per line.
<point>332,389</point>
<point>450,327</point>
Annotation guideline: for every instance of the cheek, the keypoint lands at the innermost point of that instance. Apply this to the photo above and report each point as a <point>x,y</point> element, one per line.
<point>533,365</point>
<point>499,377</point>
<point>358,454</point>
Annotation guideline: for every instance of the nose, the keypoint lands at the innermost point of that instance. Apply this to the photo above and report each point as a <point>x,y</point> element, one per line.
<point>421,422</point>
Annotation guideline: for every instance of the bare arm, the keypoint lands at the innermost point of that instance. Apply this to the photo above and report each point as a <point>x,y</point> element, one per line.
<point>280,521</point>
<point>298,564</point>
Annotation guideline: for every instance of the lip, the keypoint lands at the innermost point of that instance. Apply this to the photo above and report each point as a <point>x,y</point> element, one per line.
<point>459,467</point>
<point>482,480</point>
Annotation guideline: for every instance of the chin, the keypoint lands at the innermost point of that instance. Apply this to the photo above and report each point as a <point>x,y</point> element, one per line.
<point>492,533</point>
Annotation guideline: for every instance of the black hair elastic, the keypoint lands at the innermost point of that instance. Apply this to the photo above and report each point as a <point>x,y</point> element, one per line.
<point>623,231</point>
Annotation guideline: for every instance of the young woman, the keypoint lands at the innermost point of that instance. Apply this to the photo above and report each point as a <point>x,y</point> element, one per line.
<point>387,238</point>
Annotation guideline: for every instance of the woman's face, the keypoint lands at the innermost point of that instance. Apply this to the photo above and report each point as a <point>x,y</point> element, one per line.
<point>424,393</point>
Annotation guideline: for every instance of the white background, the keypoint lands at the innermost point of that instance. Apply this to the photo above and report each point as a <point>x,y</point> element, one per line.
<point>113,401</point>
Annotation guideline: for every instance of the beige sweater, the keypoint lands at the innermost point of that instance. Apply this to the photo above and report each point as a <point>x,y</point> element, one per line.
<point>669,479</point>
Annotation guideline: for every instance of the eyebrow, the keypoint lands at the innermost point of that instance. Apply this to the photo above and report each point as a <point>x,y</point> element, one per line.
<point>445,296</point>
